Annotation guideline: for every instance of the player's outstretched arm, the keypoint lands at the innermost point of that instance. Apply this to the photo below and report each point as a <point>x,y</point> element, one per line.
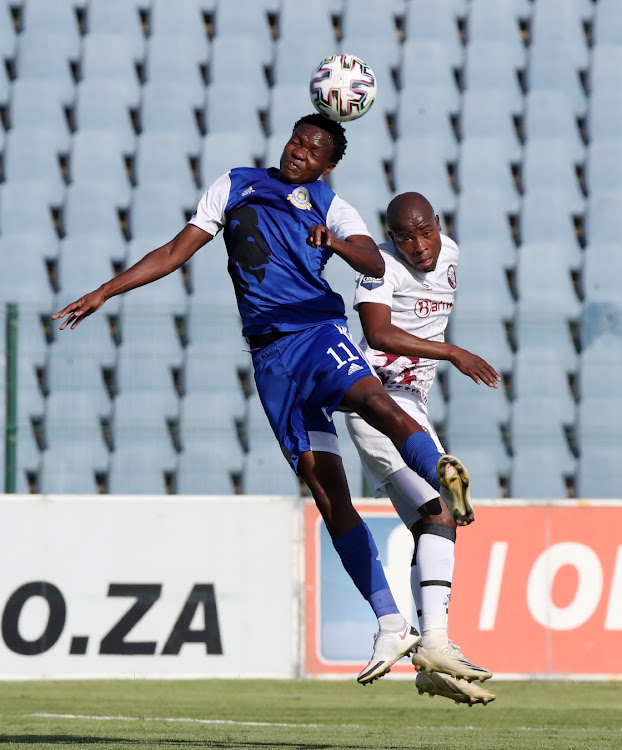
<point>381,334</point>
<point>358,250</point>
<point>153,266</point>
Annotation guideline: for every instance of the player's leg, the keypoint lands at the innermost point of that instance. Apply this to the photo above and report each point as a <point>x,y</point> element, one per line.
<point>323,472</point>
<point>445,473</point>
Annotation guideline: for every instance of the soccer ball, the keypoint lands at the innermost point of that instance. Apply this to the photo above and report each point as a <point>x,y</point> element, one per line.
<point>343,87</point>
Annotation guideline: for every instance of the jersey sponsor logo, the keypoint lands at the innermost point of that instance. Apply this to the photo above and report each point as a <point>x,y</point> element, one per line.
<point>248,191</point>
<point>300,198</point>
<point>451,276</point>
<point>370,282</point>
<point>425,307</point>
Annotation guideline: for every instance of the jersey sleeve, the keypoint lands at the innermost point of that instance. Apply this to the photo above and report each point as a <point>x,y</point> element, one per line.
<point>343,220</point>
<point>371,289</point>
<point>210,213</point>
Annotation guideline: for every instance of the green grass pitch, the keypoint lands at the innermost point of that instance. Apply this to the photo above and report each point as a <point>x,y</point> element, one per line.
<point>304,715</point>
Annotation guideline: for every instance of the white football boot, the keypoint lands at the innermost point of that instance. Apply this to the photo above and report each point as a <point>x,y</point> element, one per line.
<point>389,648</point>
<point>459,691</point>
<point>454,479</point>
<point>450,660</point>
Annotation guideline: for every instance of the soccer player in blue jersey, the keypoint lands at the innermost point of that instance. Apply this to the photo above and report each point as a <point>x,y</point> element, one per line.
<point>280,228</point>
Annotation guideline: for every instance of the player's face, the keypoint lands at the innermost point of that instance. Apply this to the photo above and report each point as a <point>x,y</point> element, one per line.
<point>307,155</point>
<point>418,240</point>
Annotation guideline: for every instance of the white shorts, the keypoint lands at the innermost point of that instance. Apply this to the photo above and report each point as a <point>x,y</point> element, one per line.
<point>381,459</point>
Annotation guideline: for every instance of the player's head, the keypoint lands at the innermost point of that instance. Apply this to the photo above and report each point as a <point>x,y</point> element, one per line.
<point>314,148</point>
<point>415,229</point>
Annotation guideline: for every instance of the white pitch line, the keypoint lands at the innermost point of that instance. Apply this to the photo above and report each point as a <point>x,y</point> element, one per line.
<point>186,721</point>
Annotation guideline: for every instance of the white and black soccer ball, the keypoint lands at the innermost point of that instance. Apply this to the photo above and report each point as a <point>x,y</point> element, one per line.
<point>343,87</point>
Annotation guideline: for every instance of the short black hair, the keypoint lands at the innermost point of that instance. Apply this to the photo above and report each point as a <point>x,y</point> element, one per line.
<point>330,126</point>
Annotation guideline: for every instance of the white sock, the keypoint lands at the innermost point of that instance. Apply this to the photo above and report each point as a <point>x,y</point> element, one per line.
<point>435,562</point>
<point>392,623</point>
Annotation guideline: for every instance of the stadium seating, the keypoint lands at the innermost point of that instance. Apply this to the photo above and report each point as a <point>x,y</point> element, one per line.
<point>116,115</point>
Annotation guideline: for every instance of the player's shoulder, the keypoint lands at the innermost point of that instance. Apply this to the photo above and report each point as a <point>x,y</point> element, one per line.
<point>449,247</point>
<point>389,253</point>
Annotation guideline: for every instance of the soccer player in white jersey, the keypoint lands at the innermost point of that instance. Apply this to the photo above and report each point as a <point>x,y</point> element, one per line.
<point>404,315</point>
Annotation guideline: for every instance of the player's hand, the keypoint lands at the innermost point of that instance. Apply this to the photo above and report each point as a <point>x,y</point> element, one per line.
<point>80,309</point>
<point>320,236</point>
<point>475,367</point>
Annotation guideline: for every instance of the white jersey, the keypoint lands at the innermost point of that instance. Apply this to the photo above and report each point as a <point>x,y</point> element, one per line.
<point>420,304</point>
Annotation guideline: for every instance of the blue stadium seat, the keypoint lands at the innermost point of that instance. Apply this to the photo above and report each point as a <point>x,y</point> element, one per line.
<point>171,59</point>
<point>373,126</point>
<point>97,161</point>
<point>598,423</point>
<point>607,27</point>
<point>490,21</point>
<point>318,26</point>
<point>71,471</point>
<point>142,372</point>
<point>165,108</point>
<point>484,473</point>
<point>471,228</point>
<point>184,17</point>
<point>548,165</point>
<point>32,157</point>
<point>156,210</point>
<point>168,293</point>
<point>474,420</point>
<point>116,17</point>
<point>246,17</point>
<point>8,37</point>
<point>552,67</point>
<point>25,280</point>
<point>544,281</point>
<point>93,209</point>
<point>149,330</point>
<point>206,373</point>
<point>604,166</point>
<point>42,56</point>
<point>601,322</point>
<point>38,105</point>
<point>113,57</point>
<point>427,111</point>
<point>482,283</point>
<point>599,370</point>
<point>236,59</point>
<point>599,472</point>
<point>539,371</point>
<point>489,114</point>
<point>140,418</point>
<point>224,151</point>
<point>484,164</point>
<point>288,103</point>
<point>601,267</point>
<point>203,470</point>
<point>25,209</point>
<point>85,262</point>
<point>91,339</point>
<point>74,418</point>
<point>426,63</point>
<point>483,335</point>
<point>51,16</point>
<point>549,114</point>
<point>138,470</point>
<point>71,370</point>
<point>547,216</point>
<point>535,477</point>
<point>223,112</point>
<point>210,283</point>
<point>164,158</point>
<point>602,219</point>
<point>560,22</point>
<point>604,119</point>
<point>100,107</point>
<point>216,331</point>
<point>421,164</point>
<point>436,22</point>
<point>494,65</point>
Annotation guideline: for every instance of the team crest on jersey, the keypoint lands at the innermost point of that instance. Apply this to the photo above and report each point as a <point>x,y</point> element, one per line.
<point>300,198</point>
<point>451,276</point>
<point>370,282</point>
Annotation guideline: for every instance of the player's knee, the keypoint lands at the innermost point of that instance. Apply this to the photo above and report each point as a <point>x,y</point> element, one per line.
<point>436,511</point>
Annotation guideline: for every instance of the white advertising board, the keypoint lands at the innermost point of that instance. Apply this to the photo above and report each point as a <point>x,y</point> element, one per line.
<point>113,586</point>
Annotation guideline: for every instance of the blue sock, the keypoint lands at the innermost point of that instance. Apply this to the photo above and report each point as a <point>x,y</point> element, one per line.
<point>359,556</point>
<point>421,454</point>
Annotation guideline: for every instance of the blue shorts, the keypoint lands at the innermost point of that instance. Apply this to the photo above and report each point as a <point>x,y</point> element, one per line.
<point>301,379</point>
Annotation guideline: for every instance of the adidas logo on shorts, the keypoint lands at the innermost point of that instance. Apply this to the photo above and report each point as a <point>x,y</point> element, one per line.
<point>354,368</point>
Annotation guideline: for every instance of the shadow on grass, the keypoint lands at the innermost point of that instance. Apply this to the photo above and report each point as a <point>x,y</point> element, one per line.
<point>79,741</point>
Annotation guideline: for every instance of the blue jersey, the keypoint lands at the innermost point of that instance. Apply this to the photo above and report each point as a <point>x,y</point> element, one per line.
<point>276,275</point>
